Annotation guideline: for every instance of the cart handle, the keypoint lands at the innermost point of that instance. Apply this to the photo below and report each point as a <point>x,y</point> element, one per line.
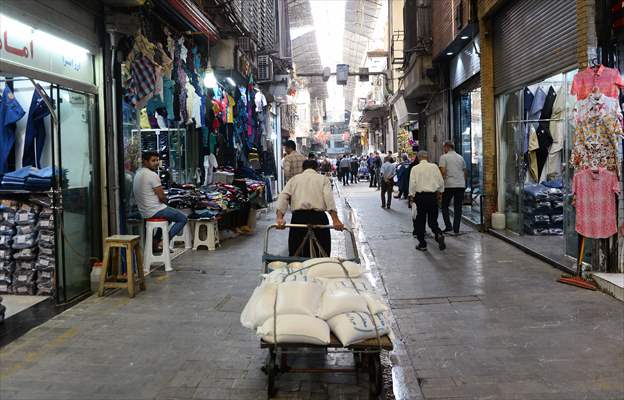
<point>265,254</point>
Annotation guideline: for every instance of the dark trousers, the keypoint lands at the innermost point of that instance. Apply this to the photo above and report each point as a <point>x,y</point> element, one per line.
<point>345,175</point>
<point>373,177</point>
<point>296,235</point>
<point>354,177</point>
<point>386,192</point>
<point>427,212</point>
<point>457,195</point>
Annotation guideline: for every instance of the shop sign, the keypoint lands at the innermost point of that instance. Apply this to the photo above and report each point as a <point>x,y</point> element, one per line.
<point>29,47</point>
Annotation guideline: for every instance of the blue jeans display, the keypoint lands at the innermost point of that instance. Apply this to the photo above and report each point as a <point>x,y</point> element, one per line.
<point>35,131</point>
<point>172,215</point>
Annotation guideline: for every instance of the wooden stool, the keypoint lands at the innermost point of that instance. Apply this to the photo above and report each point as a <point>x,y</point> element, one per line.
<point>132,245</point>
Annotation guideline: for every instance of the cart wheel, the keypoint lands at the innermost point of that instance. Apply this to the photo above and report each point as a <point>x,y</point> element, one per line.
<point>271,371</point>
<point>375,373</point>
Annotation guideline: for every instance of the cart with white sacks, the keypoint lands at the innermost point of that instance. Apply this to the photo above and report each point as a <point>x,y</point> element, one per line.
<point>307,306</point>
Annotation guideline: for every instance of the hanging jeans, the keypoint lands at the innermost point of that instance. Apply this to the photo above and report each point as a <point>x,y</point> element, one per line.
<point>35,131</point>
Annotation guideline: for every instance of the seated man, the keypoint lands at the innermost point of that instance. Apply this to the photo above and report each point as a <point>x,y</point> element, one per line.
<point>150,196</point>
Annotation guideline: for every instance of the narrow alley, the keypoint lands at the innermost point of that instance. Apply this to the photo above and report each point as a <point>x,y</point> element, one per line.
<point>481,320</point>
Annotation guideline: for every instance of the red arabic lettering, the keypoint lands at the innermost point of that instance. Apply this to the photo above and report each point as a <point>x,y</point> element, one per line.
<point>23,52</point>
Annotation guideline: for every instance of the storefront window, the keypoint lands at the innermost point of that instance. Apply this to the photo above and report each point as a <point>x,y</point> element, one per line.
<point>535,129</point>
<point>468,140</point>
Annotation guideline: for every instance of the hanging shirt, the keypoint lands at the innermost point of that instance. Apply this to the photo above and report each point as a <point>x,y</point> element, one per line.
<point>595,202</point>
<point>607,80</point>
<point>34,139</point>
<point>230,109</point>
<point>10,112</point>
<point>598,126</point>
<point>260,101</point>
<point>143,80</point>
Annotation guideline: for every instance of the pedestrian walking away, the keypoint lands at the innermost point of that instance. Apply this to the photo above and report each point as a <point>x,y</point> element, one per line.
<point>403,170</point>
<point>355,164</point>
<point>453,169</point>
<point>345,169</point>
<point>387,173</point>
<point>309,196</point>
<point>293,160</point>
<point>426,188</point>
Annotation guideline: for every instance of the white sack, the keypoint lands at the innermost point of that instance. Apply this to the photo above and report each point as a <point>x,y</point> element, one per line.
<point>301,298</point>
<point>296,329</point>
<point>259,308</point>
<point>361,284</point>
<point>334,270</point>
<point>355,327</point>
<point>275,265</point>
<point>311,261</point>
<point>286,275</point>
<point>293,266</point>
<point>341,301</point>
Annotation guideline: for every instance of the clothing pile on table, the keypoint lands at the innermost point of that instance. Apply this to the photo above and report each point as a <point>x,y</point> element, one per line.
<point>543,208</point>
<point>303,302</point>
<point>28,178</point>
<point>26,249</point>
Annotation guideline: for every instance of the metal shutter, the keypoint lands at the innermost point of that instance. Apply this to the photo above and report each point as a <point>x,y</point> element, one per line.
<point>533,39</point>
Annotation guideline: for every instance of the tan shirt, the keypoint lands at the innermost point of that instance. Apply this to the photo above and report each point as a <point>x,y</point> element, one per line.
<point>425,177</point>
<point>307,191</point>
<point>293,164</point>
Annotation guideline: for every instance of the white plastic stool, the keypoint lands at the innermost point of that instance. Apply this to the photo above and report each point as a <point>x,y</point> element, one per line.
<point>185,236</point>
<point>151,225</point>
<point>211,241</point>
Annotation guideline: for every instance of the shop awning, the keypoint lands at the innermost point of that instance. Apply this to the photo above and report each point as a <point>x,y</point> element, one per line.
<point>371,113</point>
<point>195,16</point>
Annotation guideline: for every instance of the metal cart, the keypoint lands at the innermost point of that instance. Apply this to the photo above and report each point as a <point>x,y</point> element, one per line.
<point>366,354</point>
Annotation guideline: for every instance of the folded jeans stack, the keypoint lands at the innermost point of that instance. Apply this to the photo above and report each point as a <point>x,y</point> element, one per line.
<point>28,178</point>
<point>7,232</point>
<point>25,242</point>
<point>543,208</point>
<point>45,264</point>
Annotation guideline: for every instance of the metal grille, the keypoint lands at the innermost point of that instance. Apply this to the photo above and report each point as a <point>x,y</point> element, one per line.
<point>533,39</point>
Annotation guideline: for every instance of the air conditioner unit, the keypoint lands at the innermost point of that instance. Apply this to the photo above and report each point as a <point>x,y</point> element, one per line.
<point>265,68</point>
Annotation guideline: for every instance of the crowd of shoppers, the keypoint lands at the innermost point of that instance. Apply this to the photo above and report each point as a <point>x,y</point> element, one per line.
<point>427,187</point>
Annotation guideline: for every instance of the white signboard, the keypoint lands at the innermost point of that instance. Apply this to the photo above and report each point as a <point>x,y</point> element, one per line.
<point>24,45</point>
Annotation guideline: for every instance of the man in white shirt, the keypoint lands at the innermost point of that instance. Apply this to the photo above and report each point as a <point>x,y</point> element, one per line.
<point>310,196</point>
<point>387,173</point>
<point>151,199</point>
<point>453,169</point>
<point>425,189</point>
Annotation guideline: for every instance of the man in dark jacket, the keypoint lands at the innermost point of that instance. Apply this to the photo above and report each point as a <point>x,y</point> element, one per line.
<point>355,164</point>
<point>403,171</point>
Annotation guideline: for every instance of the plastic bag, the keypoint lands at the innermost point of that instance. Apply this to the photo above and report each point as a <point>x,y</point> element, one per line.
<point>26,229</point>
<point>25,217</point>
<point>24,241</point>
<point>26,254</point>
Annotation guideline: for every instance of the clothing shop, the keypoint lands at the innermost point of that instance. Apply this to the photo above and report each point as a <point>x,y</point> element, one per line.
<point>207,120</point>
<point>543,119</point>
<point>465,83</point>
<point>50,225</point>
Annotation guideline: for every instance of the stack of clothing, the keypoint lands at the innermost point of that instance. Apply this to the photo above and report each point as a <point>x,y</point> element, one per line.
<point>7,231</point>
<point>543,208</point>
<point>25,246</point>
<point>28,178</point>
<point>45,264</point>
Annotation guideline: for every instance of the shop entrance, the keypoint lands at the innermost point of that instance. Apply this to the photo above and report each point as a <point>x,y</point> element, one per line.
<point>468,138</point>
<point>56,149</point>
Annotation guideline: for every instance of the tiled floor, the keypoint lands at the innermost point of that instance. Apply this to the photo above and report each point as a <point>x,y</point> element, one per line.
<point>481,320</point>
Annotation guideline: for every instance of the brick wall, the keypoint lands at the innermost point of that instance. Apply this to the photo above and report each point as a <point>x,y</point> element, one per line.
<point>444,29</point>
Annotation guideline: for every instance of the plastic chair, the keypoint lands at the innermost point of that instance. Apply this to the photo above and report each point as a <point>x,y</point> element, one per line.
<point>151,226</point>
<point>186,236</point>
<point>211,239</point>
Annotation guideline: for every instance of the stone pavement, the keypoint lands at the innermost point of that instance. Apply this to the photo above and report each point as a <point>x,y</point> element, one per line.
<point>481,320</point>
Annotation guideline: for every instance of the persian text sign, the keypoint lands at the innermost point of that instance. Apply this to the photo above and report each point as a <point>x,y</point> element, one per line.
<point>32,48</point>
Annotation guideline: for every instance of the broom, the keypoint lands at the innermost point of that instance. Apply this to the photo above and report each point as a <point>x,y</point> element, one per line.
<point>578,280</point>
